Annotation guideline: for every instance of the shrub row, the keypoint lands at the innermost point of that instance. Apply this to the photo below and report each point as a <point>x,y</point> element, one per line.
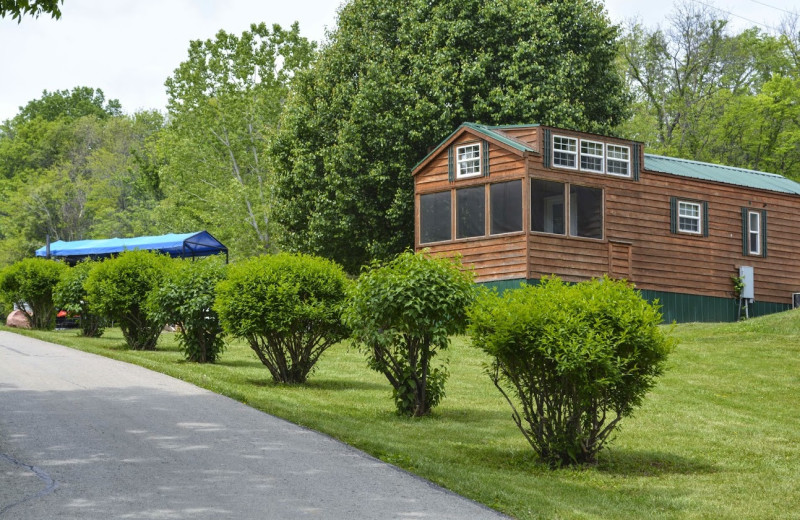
<point>572,360</point>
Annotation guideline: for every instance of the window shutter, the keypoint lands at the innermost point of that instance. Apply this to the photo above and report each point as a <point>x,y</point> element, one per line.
<point>451,167</point>
<point>673,214</point>
<point>705,219</point>
<point>764,233</point>
<point>635,163</point>
<point>485,156</point>
<point>546,144</point>
<point>745,233</point>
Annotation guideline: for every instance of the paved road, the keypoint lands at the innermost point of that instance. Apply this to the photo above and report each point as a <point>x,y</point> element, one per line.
<point>86,437</point>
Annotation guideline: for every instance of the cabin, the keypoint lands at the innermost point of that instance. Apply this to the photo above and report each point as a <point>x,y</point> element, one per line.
<point>521,202</point>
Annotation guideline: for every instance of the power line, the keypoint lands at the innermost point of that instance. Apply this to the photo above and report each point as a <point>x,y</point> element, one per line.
<point>736,15</point>
<point>774,7</point>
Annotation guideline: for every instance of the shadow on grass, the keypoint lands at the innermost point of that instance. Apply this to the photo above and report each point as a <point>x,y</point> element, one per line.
<point>320,384</point>
<point>650,463</point>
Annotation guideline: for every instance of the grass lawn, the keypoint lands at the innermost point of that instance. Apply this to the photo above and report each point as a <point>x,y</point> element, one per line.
<point>719,436</point>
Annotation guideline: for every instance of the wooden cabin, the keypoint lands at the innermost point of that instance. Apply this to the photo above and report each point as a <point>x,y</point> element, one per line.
<point>525,201</point>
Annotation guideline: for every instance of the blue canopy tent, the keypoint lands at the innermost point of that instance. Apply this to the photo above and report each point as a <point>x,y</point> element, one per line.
<point>186,245</point>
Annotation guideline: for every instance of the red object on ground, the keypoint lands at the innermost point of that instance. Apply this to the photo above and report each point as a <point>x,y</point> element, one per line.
<point>17,319</point>
<point>61,314</point>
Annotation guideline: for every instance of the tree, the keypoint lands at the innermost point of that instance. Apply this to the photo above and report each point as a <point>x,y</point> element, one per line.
<point>18,8</point>
<point>287,307</point>
<point>224,104</point>
<point>29,285</point>
<point>571,360</point>
<point>398,76</point>
<point>402,314</point>
<point>117,289</point>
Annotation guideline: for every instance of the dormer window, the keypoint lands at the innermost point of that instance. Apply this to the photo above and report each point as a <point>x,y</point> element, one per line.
<point>619,160</point>
<point>468,160</point>
<point>565,152</point>
<point>592,156</point>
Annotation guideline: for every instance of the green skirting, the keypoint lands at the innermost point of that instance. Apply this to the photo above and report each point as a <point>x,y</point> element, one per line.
<point>679,307</point>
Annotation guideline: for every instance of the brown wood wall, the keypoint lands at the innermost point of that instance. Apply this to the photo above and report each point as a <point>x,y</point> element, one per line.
<point>637,231</point>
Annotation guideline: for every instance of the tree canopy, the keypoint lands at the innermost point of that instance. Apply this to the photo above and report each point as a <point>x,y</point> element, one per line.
<point>19,8</point>
<point>398,76</point>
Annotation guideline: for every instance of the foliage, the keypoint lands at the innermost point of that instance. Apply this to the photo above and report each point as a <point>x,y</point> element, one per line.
<point>18,8</point>
<point>185,298</point>
<point>117,289</point>
<point>69,104</point>
<point>224,102</point>
<point>29,285</point>
<point>396,77</point>
<point>288,308</point>
<point>402,314</point>
<point>703,93</point>
<point>70,294</point>
<point>575,358</point>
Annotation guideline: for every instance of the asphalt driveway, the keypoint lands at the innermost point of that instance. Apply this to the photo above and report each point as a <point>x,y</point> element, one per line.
<point>82,436</point>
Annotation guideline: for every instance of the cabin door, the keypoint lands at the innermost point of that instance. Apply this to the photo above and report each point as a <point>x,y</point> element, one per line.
<point>619,260</point>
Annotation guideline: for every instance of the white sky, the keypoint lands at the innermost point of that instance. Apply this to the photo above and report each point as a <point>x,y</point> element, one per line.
<point>128,48</point>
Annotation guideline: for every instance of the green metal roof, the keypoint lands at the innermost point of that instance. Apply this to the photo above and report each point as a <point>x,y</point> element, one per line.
<point>720,173</point>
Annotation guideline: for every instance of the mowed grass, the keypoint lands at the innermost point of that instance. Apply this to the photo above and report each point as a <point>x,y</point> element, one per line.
<point>719,436</point>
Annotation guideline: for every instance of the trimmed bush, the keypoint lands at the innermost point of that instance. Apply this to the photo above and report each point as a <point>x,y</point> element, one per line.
<point>70,295</point>
<point>186,298</point>
<point>288,308</point>
<point>117,290</point>
<point>402,314</point>
<point>571,360</point>
<point>29,285</point>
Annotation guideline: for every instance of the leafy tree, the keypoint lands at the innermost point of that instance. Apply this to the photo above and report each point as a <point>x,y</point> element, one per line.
<point>287,307</point>
<point>70,294</point>
<point>402,314</point>
<point>186,298</point>
<point>571,360</point>
<point>224,104</point>
<point>397,76</point>
<point>117,289</point>
<point>29,285</point>
<point>70,104</point>
<point>18,8</point>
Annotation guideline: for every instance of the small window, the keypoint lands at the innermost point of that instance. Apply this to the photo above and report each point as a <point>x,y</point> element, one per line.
<point>434,214</point>
<point>586,212</point>
<point>565,152</point>
<point>754,232</point>
<point>618,161</point>
<point>468,159</point>
<point>592,156</point>
<point>505,206</point>
<point>548,208</point>
<point>470,212</point>
<point>689,220</point>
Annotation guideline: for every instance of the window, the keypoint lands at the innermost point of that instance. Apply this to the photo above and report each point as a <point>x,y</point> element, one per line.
<point>434,215</point>
<point>592,156</point>
<point>565,152</point>
<point>505,206</point>
<point>585,212</point>
<point>618,161</point>
<point>470,212</point>
<point>547,207</point>
<point>468,159</point>
<point>689,220</point>
<point>754,232</point>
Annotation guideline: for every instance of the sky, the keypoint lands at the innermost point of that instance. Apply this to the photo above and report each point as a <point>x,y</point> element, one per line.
<point>128,48</point>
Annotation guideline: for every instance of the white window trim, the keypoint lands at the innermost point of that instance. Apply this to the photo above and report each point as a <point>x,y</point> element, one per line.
<point>751,232</point>
<point>601,156</point>
<point>459,162</point>
<point>576,153</point>
<point>699,217</point>
<point>626,161</point>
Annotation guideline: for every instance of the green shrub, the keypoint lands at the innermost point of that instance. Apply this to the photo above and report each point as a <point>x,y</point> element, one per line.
<point>29,285</point>
<point>287,307</point>
<point>571,360</point>
<point>70,295</point>
<point>186,298</point>
<point>401,314</point>
<point>117,290</point>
